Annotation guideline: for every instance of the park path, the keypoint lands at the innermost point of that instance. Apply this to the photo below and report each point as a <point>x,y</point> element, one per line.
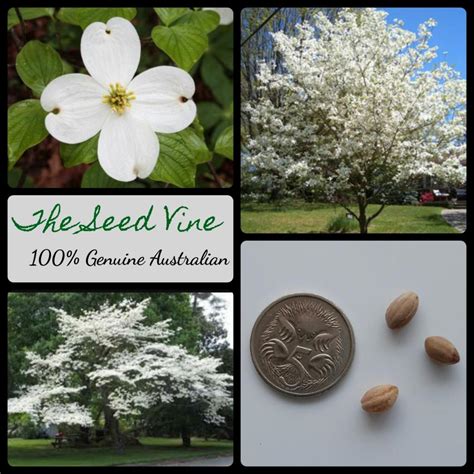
<point>203,462</point>
<point>455,218</point>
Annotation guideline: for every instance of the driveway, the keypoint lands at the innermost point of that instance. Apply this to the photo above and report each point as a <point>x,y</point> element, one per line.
<point>455,218</point>
<point>203,462</point>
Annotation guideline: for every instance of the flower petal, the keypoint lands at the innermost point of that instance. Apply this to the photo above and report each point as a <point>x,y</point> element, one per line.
<point>77,111</point>
<point>111,52</point>
<point>128,147</point>
<point>226,14</point>
<point>163,98</point>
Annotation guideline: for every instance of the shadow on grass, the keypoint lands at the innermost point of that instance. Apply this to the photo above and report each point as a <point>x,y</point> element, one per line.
<point>40,453</point>
<point>286,207</point>
<point>313,218</point>
<point>433,219</point>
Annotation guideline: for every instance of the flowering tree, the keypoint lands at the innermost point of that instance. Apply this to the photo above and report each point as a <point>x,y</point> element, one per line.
<point>357,112</point>
<point>112,365</point>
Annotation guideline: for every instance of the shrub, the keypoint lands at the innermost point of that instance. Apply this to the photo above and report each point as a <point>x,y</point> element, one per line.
<point>437,204</point>
<point>341,224</point>
<point>426,197</point>
<point>22,426</point>
<point>400,197</point>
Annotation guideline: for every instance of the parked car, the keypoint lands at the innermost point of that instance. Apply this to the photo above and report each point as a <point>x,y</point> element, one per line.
<point>461,194</point>
<point>440,194</point>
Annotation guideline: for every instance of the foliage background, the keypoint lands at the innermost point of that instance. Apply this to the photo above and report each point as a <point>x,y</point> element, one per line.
<point>42,166</point>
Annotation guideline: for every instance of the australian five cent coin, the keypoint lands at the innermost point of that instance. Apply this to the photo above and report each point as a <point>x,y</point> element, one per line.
<point>302,344</point>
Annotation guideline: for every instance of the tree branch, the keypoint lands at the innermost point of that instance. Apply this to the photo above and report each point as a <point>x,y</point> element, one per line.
<point>22,24</point>
<point>57,33</point>
<point>260,27</point>
<point>22,180</point>
<point>350,211</point>
<point>373,216</point>
<point>16,40</point>
<point>214,174</point>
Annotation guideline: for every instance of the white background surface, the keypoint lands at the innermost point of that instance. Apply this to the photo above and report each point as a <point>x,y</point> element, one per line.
<point>427,425</point>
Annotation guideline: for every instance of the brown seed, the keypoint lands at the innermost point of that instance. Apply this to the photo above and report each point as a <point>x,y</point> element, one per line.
<point>401,310</point>
<point>441,350</point>
<point>379,398</point>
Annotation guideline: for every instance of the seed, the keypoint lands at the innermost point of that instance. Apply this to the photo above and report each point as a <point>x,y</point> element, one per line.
<point>441,350</point>
<point>401,310</point>
<point>379,398</point>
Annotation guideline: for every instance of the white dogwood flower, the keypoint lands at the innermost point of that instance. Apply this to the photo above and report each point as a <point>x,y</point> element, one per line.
<point>127,111</point>
<point>226,15</point>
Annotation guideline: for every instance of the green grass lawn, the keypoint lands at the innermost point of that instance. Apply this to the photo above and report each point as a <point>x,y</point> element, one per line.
<point>301,217</point>
<point>39,452</point>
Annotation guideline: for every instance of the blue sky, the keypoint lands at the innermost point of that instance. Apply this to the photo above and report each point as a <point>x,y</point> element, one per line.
<point>449,35</point>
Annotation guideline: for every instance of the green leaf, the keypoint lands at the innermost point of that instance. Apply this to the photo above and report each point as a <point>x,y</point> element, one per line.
<point>184,44</point>
<point>221,45</point>
<point>96,177</point>
<point>67,68</point>
<point>25,128</point>
<point>206,21</point>
<point>225,56</point>
<point>209,114</point>
<point>225,143</point>
<point>27,14</point>
<point>14,177</point>
<point>170,15</point>
<point>38,64</point>
<point>214,76</point>
<point>180,153</point>
<point>198,128</point>
<point>229,111</point>
<point>83,17</point>
<point>217,130</point>
<point>85,152</point>
<point>223,38</point>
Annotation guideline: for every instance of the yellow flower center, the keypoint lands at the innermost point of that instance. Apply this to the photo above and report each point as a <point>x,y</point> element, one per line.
<point>118,98</point>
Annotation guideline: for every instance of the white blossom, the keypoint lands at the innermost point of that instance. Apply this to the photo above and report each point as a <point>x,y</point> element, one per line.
<point>126,110</point>
<point>226,15</point>
<point>119,355</point>
<point>50,404</point>
<point>356,109</point>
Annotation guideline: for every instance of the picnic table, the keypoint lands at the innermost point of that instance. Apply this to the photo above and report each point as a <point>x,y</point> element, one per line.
<point>61,440</point>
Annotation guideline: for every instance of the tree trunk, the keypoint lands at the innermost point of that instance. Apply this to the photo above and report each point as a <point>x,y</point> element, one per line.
<point>363,223</point>
<point>111,427</point>
<point>84,435</point>
<point>111,424</point>
<point>185,436</point>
